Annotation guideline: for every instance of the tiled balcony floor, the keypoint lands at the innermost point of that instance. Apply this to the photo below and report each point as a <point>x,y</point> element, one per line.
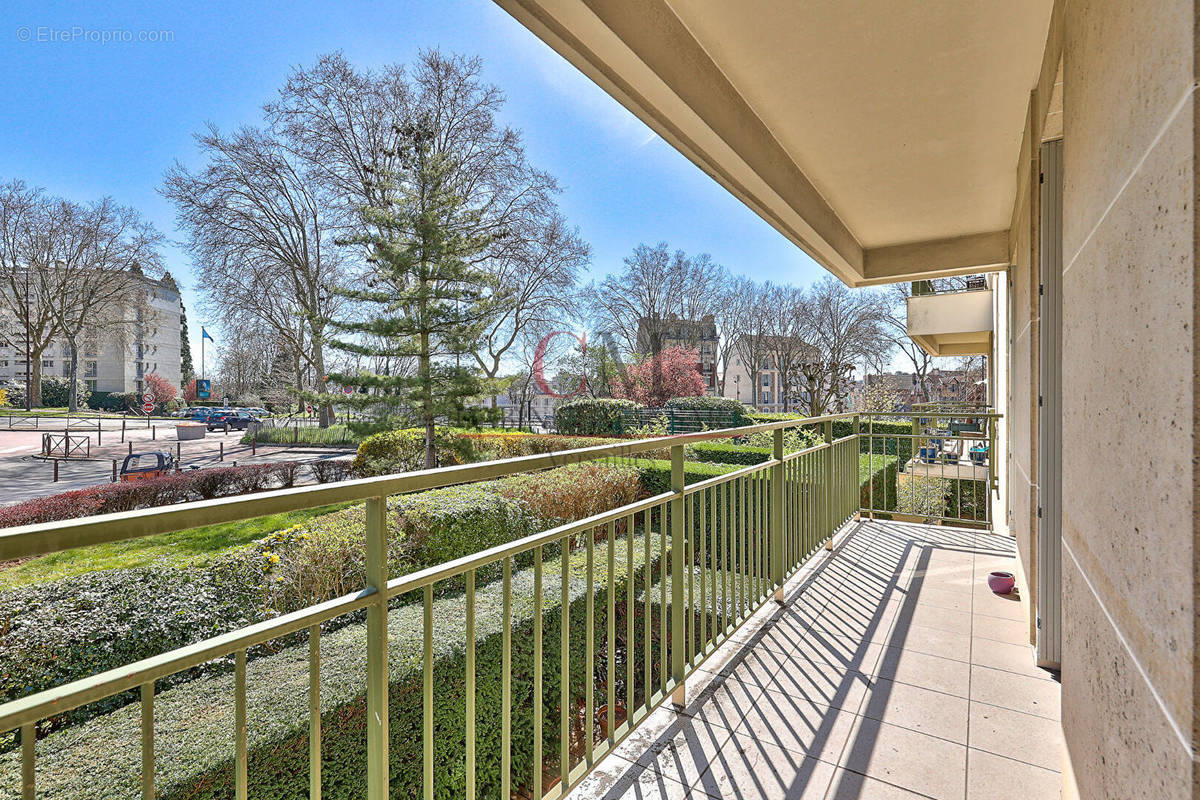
<point>892,672</point>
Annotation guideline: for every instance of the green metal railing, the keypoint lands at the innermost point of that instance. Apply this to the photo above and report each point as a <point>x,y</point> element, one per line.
<point>944,467</point>
<point>668,579</point>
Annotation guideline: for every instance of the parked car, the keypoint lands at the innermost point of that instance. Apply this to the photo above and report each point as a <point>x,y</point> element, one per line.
<point>236,420</point>
<point>144,466</point>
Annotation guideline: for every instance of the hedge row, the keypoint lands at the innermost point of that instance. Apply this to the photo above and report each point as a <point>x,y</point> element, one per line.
<point>203,484</point>
<point>726,453</point>
<point>588,416</point>
<point>193,722</point>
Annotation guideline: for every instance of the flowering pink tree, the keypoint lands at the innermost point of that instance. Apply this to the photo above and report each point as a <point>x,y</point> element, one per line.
<point>160,387</point>
<point>675,372</point>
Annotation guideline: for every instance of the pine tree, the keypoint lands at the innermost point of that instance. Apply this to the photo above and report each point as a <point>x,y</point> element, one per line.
<point>425,298</point>
<point>186,370</point>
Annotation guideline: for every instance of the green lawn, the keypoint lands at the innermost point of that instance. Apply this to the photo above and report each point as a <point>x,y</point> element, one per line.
<point>192,547</point>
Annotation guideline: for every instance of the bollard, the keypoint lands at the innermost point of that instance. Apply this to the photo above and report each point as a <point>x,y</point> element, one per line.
<point>131,448</point>
<point>114,480</point>
<point>221,455</point>
<point>97,435</point>
<point>122,428</point>
<point>56,470</point>
<point>154,433</point>
<point>178,451</point>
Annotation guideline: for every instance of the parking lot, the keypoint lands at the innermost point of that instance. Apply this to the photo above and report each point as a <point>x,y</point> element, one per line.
<point>25,473</point>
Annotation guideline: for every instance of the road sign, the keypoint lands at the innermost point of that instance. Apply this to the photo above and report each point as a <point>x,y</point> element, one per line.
<point>308,408</point>
<point>147,407</point>
<point>203,389</point>
<point>148,397</point>
<point>347,390</point>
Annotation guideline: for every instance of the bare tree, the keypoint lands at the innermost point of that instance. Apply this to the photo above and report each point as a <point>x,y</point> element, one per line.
<point>538,277</point>
<point>262,240</point>
<point>635,306</point>
<point>786,324</point>
<point>895,326</point>
<point>846,330</point>
<point>102,254</point>
<point>28,231</point>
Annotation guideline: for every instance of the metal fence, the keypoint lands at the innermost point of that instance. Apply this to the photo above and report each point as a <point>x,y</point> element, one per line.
<point>654,586</point>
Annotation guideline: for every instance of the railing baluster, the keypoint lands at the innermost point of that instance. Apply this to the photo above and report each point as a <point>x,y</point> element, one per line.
<point>427,675</point>
<point>147,696</point>
<point>646,652</point>
<point>377,649</point>
<point>702,533</point>
<point>564,668</point>
<point>829,486</point>
<point>537,673</point>
<point>314,712</point>
<point>470,688</point>
<point>629,615</point>
<point>663,665</point>
<point>777,516</point>
<point>611,633</point>
<point>240,775</point>
<point>589,658</point>
<point>28,755</point>
<point>506,684</point>
<point>679,626</point>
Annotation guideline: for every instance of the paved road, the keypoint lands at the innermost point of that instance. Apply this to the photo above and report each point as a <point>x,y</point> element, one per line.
<point>24,475</point>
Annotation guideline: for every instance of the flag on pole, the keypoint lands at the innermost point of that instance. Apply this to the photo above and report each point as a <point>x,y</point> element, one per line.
<point>204,334</point>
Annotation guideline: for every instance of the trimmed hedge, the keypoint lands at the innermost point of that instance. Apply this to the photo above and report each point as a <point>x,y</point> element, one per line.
<point>734,408</point>
<point>588,416</point>
<point>203,484</point>
<point>725,453</point>
<point>882,442</point>
<point>499,445</point>
<point>99,760</point>
<point>404,451</point>
<point>881,471</point>
<point>54,633</point>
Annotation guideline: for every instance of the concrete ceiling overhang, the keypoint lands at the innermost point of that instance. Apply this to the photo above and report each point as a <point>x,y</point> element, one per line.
<point>882,137</point>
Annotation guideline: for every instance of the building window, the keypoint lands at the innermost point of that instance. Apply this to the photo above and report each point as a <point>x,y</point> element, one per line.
<point>766,380</point>
<point>91,385</point>
<point>47,362</point>
<point>66,369</point>
<point>89,369</point>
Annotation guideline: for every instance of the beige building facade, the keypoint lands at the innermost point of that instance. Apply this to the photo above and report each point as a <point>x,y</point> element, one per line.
<point>1053,146</point>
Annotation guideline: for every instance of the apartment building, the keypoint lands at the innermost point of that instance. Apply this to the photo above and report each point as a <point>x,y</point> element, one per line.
<point>672,331</point>
<point>113,360</point>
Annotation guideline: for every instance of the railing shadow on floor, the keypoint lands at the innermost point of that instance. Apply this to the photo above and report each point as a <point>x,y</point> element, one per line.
<point>871,558</point>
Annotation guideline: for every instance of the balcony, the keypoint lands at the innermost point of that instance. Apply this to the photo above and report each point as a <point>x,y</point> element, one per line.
<point>810,643</point>
<point>955,323</point>
<point>892,671</point>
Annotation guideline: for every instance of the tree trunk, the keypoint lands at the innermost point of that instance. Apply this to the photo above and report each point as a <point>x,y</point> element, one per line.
<point>427,402</point>
<point>73,388</point>
<point>33,392</point>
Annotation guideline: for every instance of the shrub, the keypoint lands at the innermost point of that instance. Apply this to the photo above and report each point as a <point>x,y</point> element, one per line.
<point>725,453</point>
<point>888,437</point>
<point>202,484</point>
<point>96,763</point>
<point>733,409</point>
<point>570,493</point>
<point>877,481</point>
<point>487,446</point>
<point>757,417</point>
<point>323,559</point>
<point>923,497</point>
<point>57,632</point>
<point>330,470</point>
<point>588,416</point>
<point>404,450</point>
<point>56,391</point>
<point>4,400</point>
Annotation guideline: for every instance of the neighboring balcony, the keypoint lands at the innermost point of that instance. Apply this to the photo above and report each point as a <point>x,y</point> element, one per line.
<point>956,323</point>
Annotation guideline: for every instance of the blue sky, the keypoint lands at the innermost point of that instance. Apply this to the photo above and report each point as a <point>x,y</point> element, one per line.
<point>86,118</point>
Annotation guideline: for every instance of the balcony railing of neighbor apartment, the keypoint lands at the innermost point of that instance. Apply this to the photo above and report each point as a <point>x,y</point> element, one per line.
<point>516,668</point>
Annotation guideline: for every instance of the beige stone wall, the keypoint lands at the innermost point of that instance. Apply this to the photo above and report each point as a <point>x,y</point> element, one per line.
<point>1129,321</point>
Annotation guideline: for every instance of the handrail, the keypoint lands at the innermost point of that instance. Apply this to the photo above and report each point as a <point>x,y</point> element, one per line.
<point>31,540</point>
<point>744,539</point>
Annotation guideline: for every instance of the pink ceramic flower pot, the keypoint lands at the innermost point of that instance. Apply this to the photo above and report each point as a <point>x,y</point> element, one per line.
<point>1001,582</point>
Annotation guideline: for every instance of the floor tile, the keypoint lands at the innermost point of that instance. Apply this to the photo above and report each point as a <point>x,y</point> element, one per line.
<point>920,669</point>
<point>931,641</point>
<point>991,777</point>
<point>799,726</point>
<point>1013,631</point>
<point>907,759</point>
<point>918,709</point>
<point>1013,734</point>
<point>751,769</point>
<point>684,752</point>
<point>1017,692</point>
<point>1018,658</point>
